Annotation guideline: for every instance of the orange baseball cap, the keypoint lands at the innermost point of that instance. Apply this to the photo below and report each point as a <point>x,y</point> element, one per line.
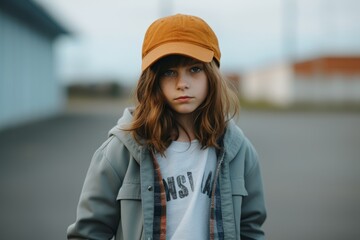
<point>180,34</point>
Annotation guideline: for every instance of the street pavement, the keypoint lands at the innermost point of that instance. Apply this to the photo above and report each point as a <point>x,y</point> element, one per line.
<point>310,164</point>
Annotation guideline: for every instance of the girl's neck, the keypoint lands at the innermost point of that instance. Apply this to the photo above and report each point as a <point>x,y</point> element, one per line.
<point>187,127</point>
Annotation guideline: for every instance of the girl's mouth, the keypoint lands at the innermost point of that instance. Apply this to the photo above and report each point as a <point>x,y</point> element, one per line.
<point>183,98</point>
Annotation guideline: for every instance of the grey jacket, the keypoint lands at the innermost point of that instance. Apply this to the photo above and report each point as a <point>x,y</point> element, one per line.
<point>117,196</point>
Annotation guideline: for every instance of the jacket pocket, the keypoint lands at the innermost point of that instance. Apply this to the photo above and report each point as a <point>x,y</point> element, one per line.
<point>129,191</point>
<point>131,214</point>
<point>238,187</point>
<point>238,193</point>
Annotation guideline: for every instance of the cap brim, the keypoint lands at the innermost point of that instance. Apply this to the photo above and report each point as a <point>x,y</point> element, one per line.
<point>187,49</point>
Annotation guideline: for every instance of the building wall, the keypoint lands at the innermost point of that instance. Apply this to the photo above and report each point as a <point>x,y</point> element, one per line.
<point>272,84</point>
<point>29,89</point>
<point>333,89</point>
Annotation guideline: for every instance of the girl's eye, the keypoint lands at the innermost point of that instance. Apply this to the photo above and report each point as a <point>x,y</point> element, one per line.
<point>195,69</point>
<point>168,73</point>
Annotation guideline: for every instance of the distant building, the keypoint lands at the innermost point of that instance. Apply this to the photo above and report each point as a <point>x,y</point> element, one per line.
<point>233,81</point>
<point>29,88</point>
<point>323,80</point>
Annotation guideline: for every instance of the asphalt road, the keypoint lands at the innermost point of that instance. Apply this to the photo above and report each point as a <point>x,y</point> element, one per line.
<point>310,164</point>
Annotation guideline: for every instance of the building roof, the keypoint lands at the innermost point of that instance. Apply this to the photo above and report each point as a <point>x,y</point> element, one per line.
<point>328,65</point>
<point>33,15</point>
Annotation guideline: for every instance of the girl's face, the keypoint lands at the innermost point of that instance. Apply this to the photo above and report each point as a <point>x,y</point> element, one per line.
<point>185,87</point>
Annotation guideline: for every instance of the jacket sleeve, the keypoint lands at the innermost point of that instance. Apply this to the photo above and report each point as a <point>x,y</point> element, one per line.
<point>98,211</point>
<point>253,212</point>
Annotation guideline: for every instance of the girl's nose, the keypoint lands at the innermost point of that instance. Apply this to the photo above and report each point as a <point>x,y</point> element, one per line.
<point>183,82</point>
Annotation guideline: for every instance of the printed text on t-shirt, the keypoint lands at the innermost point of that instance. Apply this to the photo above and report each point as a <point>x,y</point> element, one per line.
<point>179,186</point>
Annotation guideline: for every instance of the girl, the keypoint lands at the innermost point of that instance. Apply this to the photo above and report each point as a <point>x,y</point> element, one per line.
<point>176,166</point>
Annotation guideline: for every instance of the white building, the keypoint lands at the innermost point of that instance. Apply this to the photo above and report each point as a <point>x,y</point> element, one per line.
<point>29,88</point>
<point>323,80</point>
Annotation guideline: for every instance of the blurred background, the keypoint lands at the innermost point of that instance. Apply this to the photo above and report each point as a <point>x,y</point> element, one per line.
<point>68,69</point>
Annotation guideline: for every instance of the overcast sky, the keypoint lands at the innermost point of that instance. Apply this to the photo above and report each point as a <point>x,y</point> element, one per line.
<point>107,35</point>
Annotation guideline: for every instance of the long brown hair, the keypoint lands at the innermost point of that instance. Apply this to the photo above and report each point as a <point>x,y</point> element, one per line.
<point>154,123</point>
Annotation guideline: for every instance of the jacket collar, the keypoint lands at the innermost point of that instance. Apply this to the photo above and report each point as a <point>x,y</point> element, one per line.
<point>233,138</point>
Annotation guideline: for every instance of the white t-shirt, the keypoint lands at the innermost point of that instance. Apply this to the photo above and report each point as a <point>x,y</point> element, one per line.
<point>188,174</point>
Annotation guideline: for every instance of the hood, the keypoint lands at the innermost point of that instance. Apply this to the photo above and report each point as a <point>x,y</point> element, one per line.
<point>234,140</point>
<point>136,150</point>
